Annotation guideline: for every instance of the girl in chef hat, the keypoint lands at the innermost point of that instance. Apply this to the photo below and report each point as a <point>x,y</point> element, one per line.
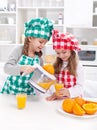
<point>37,32</point>
<point>68,70</point>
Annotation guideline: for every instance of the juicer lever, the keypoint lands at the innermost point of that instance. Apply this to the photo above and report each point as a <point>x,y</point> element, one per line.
<point>34,66</point>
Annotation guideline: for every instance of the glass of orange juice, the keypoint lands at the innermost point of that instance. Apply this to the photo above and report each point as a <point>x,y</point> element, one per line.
<point>21,100</point>
<point>58,86</point>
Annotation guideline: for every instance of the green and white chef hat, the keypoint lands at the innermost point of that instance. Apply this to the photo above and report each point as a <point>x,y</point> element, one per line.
<point>39,28</point>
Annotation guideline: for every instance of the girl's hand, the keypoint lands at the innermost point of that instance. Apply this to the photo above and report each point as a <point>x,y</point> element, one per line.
<point>64,92</point>
<point>55,97</point>
<point>27,69</point>
<point>51,98</point>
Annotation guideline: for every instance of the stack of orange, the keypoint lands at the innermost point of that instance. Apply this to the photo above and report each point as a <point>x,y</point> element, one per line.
<point>79,106</point>
<point>49,68</point>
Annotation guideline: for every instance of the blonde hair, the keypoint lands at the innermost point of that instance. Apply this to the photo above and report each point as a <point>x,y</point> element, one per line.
<point>26,47</point>
<point>71,66</point>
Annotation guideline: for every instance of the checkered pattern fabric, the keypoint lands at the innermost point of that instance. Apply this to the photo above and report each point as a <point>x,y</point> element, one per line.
<point>19,84</point>
<point>66,41</point>
<point>66,78</point>
<point>39,27</point>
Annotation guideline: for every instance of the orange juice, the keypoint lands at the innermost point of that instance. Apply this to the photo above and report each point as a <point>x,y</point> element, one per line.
<point>58,86</point>
<point>45,85</point>
<point>21,100</point>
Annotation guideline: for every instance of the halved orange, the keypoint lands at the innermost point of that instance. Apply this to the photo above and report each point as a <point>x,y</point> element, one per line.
<point>78,110</point>
<point>80,100</point>
<point>90,108</point>
<point>88,101</point>
<point>49,68</point>
<point>68,104</point>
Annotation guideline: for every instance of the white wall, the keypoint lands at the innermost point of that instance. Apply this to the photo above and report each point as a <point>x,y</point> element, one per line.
<point>5,51</point>
<point>78,13</point>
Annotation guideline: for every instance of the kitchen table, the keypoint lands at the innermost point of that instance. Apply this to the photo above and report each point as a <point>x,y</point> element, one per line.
<point>39,114</point>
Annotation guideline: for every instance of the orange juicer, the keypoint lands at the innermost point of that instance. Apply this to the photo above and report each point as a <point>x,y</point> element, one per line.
<point>41,79</point>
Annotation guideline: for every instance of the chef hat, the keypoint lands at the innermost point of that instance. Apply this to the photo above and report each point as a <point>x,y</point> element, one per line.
<point>39,28</point>
<point>66,41</point>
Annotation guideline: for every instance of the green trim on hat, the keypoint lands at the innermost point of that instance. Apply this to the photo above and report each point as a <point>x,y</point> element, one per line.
<point>39,27</point>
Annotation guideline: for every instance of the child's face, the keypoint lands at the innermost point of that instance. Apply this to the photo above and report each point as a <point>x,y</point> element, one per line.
<point>37,44</point>
<point>63,54</point>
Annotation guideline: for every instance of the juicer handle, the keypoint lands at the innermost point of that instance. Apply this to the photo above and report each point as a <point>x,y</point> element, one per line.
<point>23,74</point>
<point>34,66</point>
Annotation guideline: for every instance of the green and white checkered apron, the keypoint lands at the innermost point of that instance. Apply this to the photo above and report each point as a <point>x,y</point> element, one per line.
<point>19,84</point>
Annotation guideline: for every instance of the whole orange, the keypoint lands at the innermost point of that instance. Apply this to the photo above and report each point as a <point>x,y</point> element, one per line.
<point>68,104</point>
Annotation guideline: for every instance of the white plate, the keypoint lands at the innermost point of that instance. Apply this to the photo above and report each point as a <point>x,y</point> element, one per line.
<point>72,115</point>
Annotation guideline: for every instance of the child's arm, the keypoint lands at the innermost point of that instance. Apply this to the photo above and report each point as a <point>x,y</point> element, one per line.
<point>55,97</point>
<point>26,69</point>
<point>52,97</point>
<point>11,67</point>
<point>77,90</point>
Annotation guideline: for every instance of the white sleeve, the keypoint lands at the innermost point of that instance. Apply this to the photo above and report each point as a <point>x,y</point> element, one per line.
<point>77,90</point>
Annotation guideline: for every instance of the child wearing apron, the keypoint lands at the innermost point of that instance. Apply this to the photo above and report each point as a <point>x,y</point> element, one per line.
<point>21,60</point>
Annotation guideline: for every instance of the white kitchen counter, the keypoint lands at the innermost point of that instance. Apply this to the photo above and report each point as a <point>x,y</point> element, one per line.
<point>39,114</point>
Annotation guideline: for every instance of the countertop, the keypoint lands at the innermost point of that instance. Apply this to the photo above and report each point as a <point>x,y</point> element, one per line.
<point>39,114</point>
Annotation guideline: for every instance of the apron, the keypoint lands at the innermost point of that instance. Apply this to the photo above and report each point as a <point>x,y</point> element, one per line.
<point>66,78</point>
<point>19,84</point>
